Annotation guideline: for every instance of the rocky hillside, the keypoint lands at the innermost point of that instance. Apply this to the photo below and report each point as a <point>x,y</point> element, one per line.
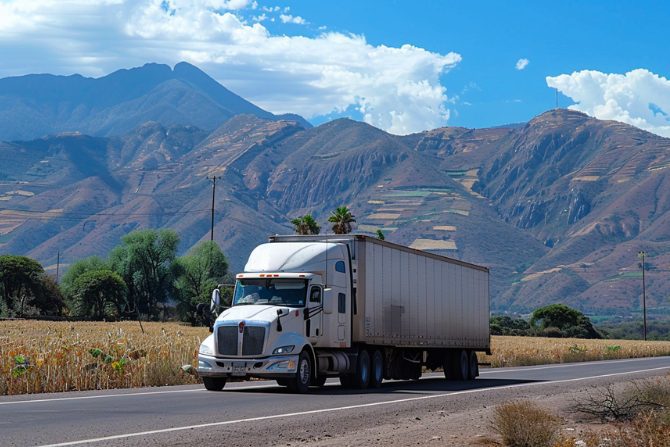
<point>558,207</point>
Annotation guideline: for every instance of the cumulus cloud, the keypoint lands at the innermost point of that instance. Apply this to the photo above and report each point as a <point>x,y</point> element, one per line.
<point>395,88</point>
<point>522,63</point>
<point>639,97</point>
<point>288,18</point>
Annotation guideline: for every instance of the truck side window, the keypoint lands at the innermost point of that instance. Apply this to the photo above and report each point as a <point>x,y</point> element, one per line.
<point>339,267</point>
<point>341,303</point>
<point>315,295</point>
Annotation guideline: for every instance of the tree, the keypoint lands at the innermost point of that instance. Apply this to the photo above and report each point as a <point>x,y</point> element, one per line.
<point>144,261</point>
<point>99,294</point>
<point>341,218</point>
<point>197,274</point>
<point>26,289</point>
<point>561,320</point>
<point>305,225</point>
<point>77,269</point>
<point>380,235</point>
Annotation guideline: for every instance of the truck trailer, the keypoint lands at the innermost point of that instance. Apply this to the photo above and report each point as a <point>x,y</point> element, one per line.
<point>349,306</point>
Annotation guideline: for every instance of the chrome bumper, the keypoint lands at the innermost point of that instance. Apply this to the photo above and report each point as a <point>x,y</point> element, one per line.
<point>270,367</point>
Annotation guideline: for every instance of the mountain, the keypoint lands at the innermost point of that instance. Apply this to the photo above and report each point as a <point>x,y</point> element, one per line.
<point>36,105</point>
<point>558,207</point>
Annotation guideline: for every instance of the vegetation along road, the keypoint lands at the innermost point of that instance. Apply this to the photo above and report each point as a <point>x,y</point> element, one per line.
<point>262,413</point>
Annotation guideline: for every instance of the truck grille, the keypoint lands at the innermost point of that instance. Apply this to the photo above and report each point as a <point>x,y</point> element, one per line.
<point>252,342</point>
<point>226,338</point>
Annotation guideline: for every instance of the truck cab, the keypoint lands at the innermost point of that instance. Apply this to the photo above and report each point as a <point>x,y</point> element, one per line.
<point>292,299</point>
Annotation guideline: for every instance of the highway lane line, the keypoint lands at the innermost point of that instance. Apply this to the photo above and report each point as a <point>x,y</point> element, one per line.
<point>330,410</point>
<point>143,393</point>
<point>249,387</point>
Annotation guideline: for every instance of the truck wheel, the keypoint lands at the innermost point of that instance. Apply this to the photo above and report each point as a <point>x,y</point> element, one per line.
<point>464,365</point>
<point>303,376</point>
<point>377,375</point>
<point>362,374</point>
<point>456,365</point>
<point>474,366</point>
<point>214,383</point>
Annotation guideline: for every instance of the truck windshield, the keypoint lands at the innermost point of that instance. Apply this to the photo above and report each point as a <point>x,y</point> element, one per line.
<point>279,292</point>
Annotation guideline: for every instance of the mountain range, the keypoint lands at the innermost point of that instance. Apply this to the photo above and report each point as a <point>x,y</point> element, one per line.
<point>558,207</point>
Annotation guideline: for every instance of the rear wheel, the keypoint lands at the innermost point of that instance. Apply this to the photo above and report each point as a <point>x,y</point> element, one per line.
<point>214,383</point>
<point>474,366</point>
<point>456,365</point>
<point>303,377</point>
<point>377,375</point>
<point>362,374</point>
<point>464,365</point>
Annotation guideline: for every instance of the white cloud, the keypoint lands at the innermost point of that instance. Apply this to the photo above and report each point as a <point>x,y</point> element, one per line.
<point>639,97</point>
<point>288,18</point>
<point>395,88</point>
<point>522,63</point>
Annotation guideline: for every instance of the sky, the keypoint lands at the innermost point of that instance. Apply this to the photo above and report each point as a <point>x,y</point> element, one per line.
<point>403,66</point>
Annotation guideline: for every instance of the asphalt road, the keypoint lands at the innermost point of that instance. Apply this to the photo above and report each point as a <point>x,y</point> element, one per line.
<point>262,413</point>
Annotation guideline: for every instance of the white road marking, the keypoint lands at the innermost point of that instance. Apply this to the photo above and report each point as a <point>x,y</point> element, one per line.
<point>567,365</point>
<point>348,407</point>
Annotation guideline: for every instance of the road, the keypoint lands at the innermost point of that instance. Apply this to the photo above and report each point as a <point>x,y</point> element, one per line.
<point>262,413</point>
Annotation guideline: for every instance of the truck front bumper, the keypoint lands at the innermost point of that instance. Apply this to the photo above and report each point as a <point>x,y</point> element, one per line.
<point>274,367</point>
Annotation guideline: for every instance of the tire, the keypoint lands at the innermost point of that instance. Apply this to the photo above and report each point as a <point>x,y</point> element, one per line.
<point>303,376</point>
<point>214,383</point>
<point>377,371</point>
<point>464,365</point>
<point>456,365</point>
<point>320,381</point>
<point>473,371</point>
<point>362,374</point>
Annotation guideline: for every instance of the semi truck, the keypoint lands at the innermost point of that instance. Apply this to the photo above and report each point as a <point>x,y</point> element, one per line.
<point>307,308</point>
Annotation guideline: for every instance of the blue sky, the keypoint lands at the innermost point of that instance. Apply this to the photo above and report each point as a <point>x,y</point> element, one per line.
<point>403,66</point>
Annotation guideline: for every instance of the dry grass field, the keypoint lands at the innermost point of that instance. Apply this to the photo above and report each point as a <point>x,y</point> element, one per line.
<point>41,356</point>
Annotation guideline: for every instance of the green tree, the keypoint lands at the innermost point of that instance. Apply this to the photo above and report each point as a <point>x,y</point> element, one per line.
<point>197,274</point>
<point>561,320</point>
<point>99,295</point>
<point>77,269</point>
<point>26,289</point>
<point>380,235</point>
<point>341,218</point>
<point>144,261</point>
<point>305,225</point>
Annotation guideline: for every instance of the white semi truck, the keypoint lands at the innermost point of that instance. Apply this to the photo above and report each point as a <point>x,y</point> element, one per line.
<point>350,306</point>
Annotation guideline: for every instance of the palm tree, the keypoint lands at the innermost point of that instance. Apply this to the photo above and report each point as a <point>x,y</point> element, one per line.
<point>341,219</point>
<point>380,235</point>
<point>305,225</point>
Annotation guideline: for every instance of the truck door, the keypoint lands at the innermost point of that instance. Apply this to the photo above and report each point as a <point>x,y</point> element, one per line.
<point>342,303</point>
<point>314,314</point>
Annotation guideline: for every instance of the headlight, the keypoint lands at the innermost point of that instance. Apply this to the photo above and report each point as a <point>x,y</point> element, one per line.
<point>284,349</point>
<point>206,347</point>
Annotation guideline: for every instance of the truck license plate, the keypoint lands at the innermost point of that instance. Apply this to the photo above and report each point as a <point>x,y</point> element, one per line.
<point>239,369</point>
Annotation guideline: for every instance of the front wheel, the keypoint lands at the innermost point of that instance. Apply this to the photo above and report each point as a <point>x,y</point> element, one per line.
<point>303,377</point>
<point>214,383</point>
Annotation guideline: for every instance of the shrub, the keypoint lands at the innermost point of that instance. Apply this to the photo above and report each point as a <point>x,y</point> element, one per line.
<point>525,424</point>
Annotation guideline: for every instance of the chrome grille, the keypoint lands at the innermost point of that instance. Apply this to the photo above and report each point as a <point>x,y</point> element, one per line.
<point>253,338</point>
<point>226,338</point>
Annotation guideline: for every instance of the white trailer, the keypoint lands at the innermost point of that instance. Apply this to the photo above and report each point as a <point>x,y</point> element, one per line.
<point>311,307</point>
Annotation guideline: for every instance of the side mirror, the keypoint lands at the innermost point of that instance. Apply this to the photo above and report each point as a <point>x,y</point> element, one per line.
<point>215,302</point>
<point>328,301</point>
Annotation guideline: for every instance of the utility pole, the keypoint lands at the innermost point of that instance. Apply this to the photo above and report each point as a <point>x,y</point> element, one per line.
<point>213,179</point>
<point>57,265</point>
<point>644,295</point>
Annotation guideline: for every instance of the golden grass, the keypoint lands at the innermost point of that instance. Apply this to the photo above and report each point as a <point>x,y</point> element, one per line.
<point>523,351</point>
<point>42,356</point>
